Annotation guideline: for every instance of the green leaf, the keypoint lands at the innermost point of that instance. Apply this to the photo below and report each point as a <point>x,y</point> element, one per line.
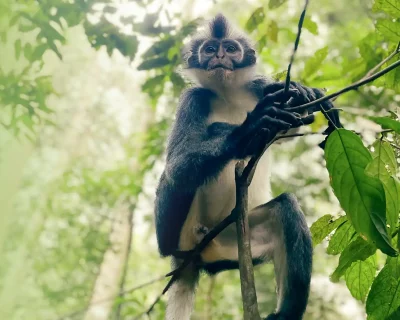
<point>384,298</point>
<point>153,63</point>
<point>391,7</point>
<point>280,75</point>
<point>310,25</point>
<point>262,42</point>
<point>395,315</point>
<point>38,52</point>
<point>160,47</point>
<point>362,197</point>
<point>324,226</point>
<point>275,3</point>
<point>272,31</point>
<point>384,166</point>
<point>256,18</point>
<point>359,277</point>
<point>17,48</point>
<point>387,123</point>
<point>357,250</point>
<point>28,51</point>
<point>389,29</point>
<point>313,64</point>
<point>341,238</point>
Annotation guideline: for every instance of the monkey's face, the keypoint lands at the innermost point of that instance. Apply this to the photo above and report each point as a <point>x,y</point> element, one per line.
<point>224,54</point>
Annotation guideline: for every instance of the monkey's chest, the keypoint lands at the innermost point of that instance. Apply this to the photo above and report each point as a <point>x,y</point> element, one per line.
<point>216,199</point>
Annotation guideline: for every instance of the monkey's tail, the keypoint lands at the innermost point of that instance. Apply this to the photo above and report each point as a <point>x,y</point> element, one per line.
<point>181,294</point>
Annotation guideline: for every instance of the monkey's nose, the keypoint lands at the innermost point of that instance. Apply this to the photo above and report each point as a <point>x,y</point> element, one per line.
<point>220,54</point>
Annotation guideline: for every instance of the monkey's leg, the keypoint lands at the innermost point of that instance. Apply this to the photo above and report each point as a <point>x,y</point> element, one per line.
<point>279,233</point>
<point>182,293</point>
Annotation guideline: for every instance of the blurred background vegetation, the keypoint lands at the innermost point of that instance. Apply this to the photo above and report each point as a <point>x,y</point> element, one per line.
<point>88,91</point>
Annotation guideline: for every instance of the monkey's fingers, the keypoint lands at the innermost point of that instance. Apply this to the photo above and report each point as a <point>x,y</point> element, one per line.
<point>292,118</point>
<point>278,96</point>
<point>308,119</point>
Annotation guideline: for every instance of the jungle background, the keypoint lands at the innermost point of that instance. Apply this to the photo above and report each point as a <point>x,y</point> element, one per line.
<point>88,91</point>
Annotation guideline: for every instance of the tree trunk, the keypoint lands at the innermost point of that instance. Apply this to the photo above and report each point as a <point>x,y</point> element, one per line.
<point>107,284</point>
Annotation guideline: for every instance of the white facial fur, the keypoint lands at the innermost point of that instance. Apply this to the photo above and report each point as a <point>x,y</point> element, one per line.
<point>221,79</point>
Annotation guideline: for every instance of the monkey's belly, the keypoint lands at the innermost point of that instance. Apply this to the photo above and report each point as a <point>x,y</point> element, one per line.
<point>215,200</point>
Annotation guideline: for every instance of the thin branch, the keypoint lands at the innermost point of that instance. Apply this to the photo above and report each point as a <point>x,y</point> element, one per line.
<point>150,309</point>
<point>296,45</point>
<point>346,89</point>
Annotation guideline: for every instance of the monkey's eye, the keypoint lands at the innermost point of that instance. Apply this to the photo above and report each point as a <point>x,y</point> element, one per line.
<point>210,49</point>
<point>231,49</point>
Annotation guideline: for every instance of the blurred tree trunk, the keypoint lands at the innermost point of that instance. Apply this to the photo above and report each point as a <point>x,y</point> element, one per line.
<point>107,284</point>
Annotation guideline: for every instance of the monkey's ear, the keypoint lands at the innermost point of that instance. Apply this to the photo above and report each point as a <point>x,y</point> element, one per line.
<point>251,56</point>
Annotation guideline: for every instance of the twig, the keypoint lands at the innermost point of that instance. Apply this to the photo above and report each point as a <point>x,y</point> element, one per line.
<point>296,44</point>
<point>150,309</point>
<point>346,89</point>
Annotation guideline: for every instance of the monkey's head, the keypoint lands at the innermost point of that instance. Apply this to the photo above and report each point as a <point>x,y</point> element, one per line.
<point>220,56</point>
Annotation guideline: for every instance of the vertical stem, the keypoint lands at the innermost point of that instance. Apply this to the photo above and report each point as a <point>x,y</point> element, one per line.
<point>249,295</point>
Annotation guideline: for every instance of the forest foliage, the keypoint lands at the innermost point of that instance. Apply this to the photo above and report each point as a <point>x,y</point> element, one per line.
<point>363,172</point>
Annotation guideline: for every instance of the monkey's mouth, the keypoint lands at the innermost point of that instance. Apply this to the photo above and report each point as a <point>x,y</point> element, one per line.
<point>219,66</point>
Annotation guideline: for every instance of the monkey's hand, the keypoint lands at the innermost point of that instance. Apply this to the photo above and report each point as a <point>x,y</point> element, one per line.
<point>264,123</point>
<point>306,95</point>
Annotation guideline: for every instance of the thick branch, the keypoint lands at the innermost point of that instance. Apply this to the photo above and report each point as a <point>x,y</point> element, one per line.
<point>249,294</point>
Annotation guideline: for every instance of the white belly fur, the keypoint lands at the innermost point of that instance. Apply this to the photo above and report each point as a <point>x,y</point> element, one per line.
<point>216,199</point>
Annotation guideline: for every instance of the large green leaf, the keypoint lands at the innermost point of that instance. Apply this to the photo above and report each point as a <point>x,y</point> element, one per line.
<point>384,298</point>
<point>384,166</point>
<point>359,277</point>
<point>358,250</point>
<point>387,123</point>
<point>324,226</point>
<point>341,238</point>
<point>391,7</point>
<point>362,197</point>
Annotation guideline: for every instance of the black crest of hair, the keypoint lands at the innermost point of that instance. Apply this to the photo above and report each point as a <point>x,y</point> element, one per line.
<point>219,27</point>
